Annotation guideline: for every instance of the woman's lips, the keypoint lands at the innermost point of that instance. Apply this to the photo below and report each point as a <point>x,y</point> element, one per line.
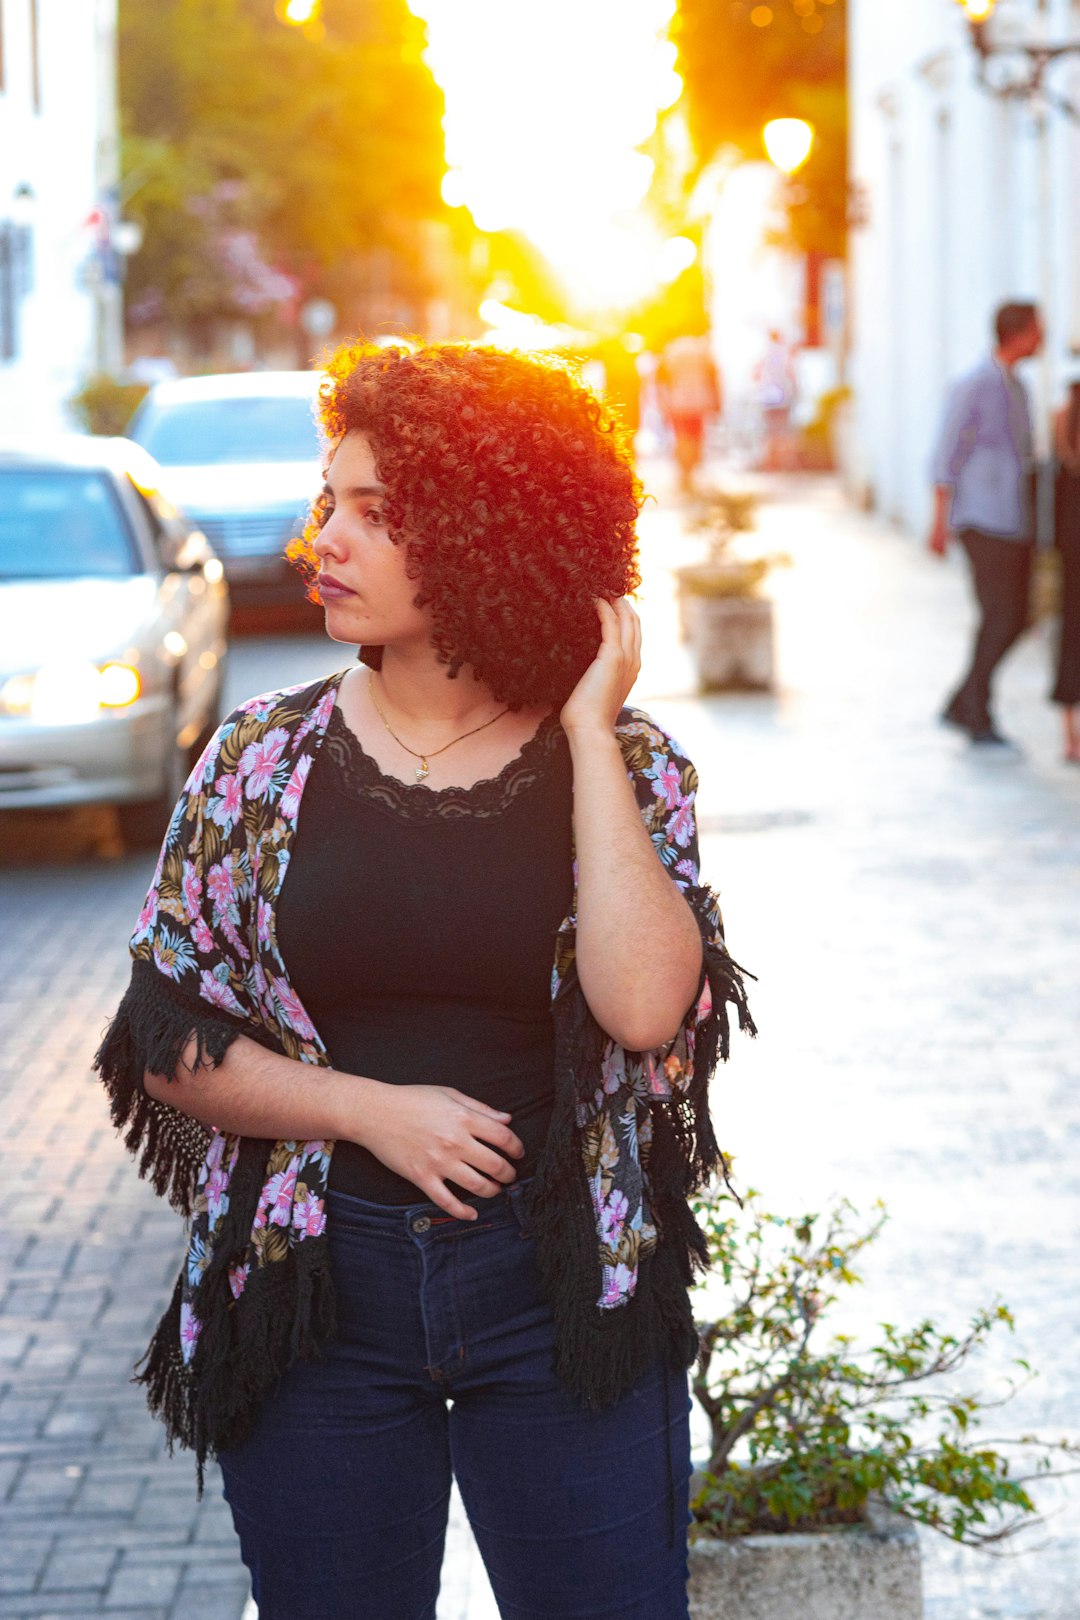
<point>331,589</point>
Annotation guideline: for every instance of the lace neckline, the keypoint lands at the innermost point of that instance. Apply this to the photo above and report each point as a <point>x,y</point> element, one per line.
<point>358,775</point>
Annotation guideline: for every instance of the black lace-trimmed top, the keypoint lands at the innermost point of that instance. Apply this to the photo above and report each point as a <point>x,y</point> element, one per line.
<point>418,928</point>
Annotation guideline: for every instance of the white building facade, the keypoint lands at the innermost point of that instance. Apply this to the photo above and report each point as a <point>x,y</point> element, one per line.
<point>60,294</point>
<point>962,199</point>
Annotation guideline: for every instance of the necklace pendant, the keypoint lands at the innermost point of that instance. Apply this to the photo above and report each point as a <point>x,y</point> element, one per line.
<point>421,770</point>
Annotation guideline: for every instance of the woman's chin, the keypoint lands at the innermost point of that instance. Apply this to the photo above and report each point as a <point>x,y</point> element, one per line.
<point>343,624</point>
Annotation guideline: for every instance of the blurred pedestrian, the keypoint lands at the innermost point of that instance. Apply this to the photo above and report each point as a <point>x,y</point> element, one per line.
<point>983,474</point>
<point>1067,538</point>
<point>777,388</point>
<point>436,1104</point>
<point>689,389</point>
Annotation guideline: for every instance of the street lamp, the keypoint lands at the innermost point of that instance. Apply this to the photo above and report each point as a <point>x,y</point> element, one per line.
<point>788,142</point>
<point>1023,62</point>
<point>298,13</point>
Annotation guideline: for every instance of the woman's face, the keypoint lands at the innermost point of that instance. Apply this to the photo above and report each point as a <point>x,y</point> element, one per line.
<point>365,592</point>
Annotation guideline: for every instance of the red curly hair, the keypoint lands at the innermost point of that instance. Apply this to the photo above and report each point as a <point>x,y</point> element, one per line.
<point>513,491</point>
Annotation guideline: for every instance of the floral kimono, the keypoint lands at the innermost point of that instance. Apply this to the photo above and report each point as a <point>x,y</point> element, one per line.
<point>630,1138</point>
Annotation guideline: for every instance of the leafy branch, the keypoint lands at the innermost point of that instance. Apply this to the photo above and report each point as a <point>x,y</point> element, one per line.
<point>803,1436</point>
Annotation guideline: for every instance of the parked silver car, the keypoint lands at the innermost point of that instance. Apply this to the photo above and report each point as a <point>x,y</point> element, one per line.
<point>113,621</point>
<point>241,457</point>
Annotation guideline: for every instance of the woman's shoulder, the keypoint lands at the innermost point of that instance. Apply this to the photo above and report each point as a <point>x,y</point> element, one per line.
<point>285,704</point>
<point>642,738</point>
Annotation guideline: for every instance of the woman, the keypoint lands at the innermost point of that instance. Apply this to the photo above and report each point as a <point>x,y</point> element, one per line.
<point>1067,535</point>
<point>435,1105</point>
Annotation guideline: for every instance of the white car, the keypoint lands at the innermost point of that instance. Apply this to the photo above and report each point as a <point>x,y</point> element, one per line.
<point>113,622</point>
<point>242,458</point>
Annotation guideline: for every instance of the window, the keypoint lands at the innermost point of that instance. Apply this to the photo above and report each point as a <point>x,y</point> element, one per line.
<point>57,523</point>
<point>216,432</point>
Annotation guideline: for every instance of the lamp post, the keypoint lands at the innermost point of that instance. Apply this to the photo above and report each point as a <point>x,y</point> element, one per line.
<point>1013,66</point>
<point>788,143</point>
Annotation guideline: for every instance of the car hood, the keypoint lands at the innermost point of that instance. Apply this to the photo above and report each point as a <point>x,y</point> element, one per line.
<point>47,619</point>
<point>210,491</point>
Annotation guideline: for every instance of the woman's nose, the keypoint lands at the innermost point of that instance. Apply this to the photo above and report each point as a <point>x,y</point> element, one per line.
<point>326,542</point>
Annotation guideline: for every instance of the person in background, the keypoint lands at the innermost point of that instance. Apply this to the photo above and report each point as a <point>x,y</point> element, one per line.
<point>1067,538</point>
<point>688,386</point>
<point>777,388</point>
<point>982,471</point>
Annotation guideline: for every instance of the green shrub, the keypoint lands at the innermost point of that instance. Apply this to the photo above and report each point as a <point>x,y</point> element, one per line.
<point>802,1436</point>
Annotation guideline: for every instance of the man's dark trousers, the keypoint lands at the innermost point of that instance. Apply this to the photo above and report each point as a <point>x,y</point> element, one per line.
<point>1001,573</point>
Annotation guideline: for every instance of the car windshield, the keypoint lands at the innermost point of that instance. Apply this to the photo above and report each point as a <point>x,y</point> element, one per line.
<point>57,523</point>
<point>216,432</point>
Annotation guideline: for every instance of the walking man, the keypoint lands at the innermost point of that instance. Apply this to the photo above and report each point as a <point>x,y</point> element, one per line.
<point>982,471</point>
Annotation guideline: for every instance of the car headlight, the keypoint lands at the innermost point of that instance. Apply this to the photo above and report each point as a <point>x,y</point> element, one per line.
<point>64,693</point>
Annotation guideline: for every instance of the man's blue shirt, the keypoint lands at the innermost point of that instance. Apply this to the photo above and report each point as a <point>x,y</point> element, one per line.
<point>983,452</point>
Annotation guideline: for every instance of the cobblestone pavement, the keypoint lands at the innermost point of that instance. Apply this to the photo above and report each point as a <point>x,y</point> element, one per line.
<point>911,908</point>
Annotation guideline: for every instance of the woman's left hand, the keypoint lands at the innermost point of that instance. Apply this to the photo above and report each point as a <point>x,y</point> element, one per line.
<point>595,702</point>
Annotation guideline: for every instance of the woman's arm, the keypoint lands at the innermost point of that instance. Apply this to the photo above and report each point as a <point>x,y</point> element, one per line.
<point>428,1134</point>
<point>638,946</point>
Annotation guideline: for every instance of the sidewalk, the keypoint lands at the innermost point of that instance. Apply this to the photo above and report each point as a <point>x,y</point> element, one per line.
<point>911,908</point>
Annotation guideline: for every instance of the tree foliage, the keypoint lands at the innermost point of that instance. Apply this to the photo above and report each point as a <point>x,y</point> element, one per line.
<point>745,63</point>
<point>804,1433</point>
<point>309,153</point>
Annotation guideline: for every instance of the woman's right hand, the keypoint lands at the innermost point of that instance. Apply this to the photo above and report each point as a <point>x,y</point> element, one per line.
<point>434,1134</point>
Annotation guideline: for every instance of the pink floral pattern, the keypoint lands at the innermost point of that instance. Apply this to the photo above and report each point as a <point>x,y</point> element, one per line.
<point>260,760</point>
<point>229,807</point>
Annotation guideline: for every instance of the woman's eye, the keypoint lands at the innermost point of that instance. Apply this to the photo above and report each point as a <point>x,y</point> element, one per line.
<point>374,515</point>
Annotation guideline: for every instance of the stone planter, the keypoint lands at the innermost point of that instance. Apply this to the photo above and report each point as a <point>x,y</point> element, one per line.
<point>866,1571</point>
<point>732,639</point>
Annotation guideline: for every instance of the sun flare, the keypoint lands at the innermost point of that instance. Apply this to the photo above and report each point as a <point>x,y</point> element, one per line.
<point>546,111</point>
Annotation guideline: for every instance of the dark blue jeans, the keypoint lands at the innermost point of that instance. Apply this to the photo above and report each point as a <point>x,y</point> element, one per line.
<point>442,1366</point>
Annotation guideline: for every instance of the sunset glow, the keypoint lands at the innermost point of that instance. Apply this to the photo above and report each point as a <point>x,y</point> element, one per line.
<point>546,109</point>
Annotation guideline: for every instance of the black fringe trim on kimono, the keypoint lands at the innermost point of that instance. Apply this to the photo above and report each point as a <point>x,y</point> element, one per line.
<point>285,1313</point>
<point>287,1308</point>
<point>152,1026</point>
<point>599,1354</point>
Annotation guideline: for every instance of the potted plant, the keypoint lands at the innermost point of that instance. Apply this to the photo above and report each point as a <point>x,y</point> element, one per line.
<point>724,613</point>
<point>824,1457</point>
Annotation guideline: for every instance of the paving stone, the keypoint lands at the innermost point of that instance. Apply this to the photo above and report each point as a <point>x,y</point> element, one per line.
<point>23,1417</point>
<point>46,1485</point>
<point>22,1560</point>
<point>74,1424</point>
<point>145,1584</point>
<point>225,1600</point>
<point>102,1496</point>
<point>87,1569</point>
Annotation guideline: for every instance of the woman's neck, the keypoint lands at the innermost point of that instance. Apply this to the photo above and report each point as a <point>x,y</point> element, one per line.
<point>419,691</point>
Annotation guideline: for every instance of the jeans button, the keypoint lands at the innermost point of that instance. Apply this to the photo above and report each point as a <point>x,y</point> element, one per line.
<point>421,1224</point>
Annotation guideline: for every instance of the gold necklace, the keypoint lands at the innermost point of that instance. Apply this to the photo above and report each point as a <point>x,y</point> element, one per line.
<point>423,769</point>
